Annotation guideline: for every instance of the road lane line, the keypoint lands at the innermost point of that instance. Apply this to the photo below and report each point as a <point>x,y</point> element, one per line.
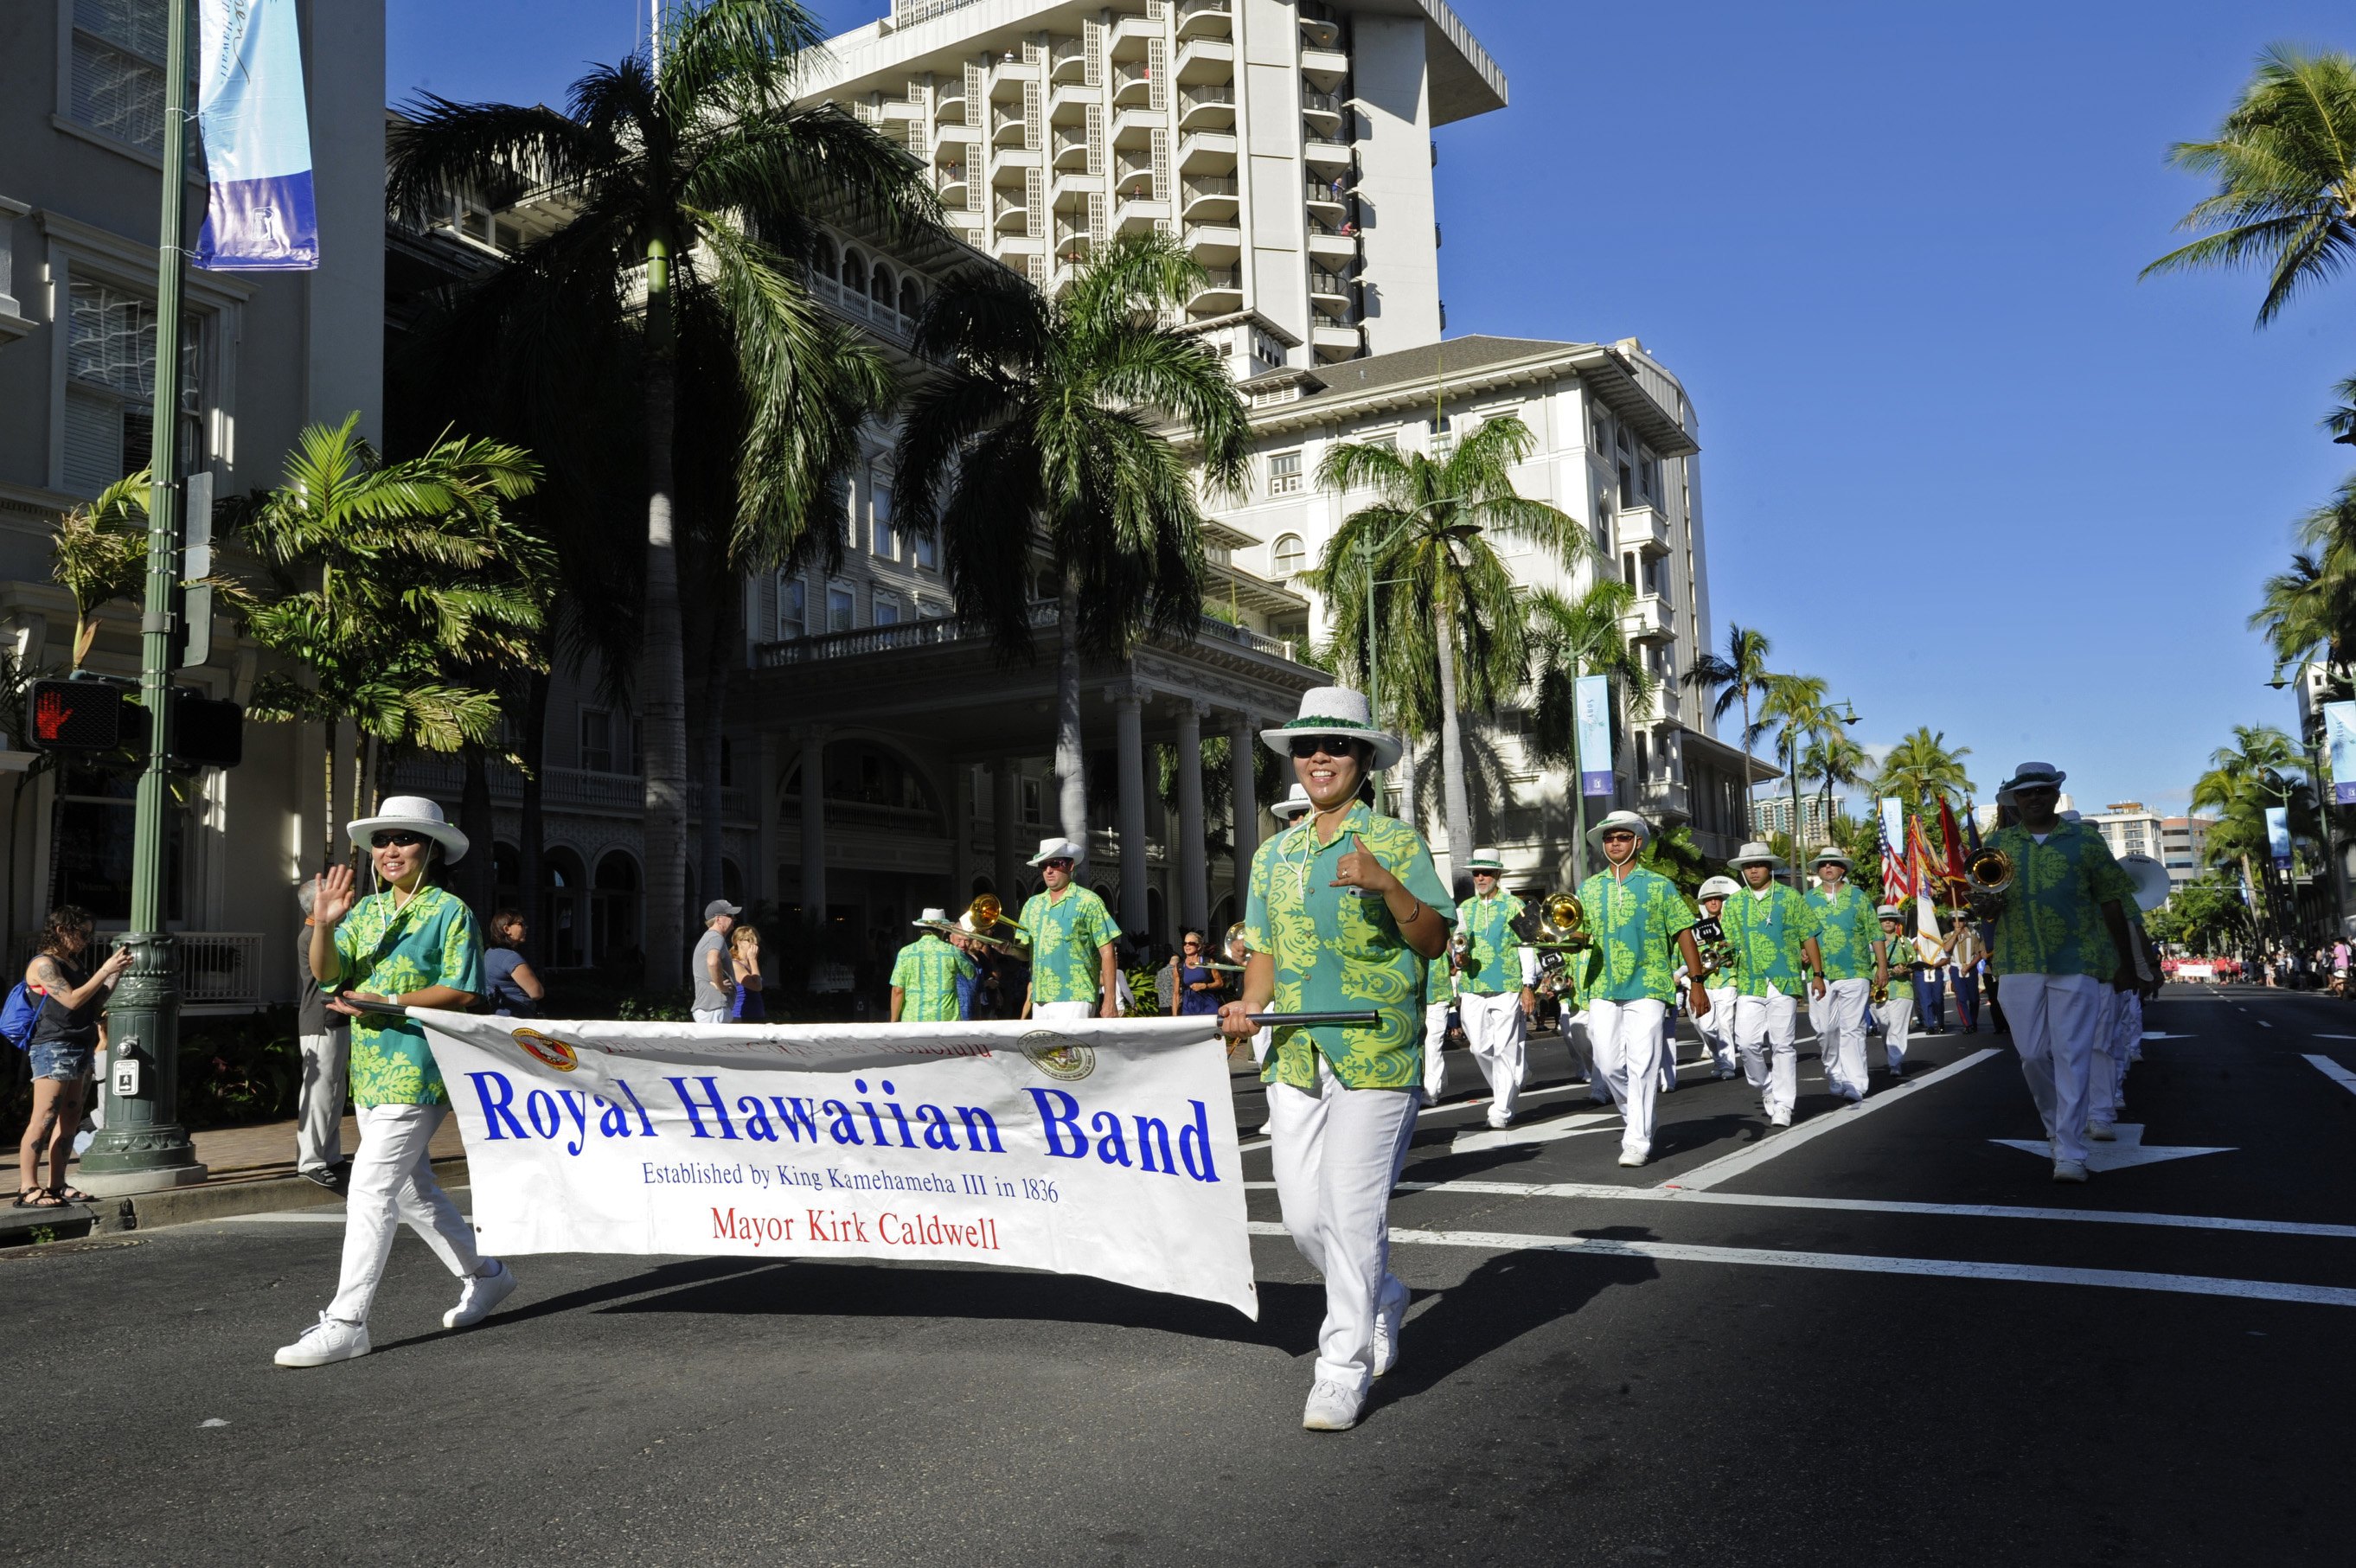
<point>1865,1263</point>
<point>2334,1071</point>
<point>1742,1161</point>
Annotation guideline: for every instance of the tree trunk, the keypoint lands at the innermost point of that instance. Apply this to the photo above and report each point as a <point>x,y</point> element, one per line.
<point>718,641</point>
<point>1071,780</point>
<point>533,743</point>
<point>662,674</point>
<point>1749,811</point>
<point>1406,780</point>
<point>1452,751</point>
<point>475,878</point>
<point>360,792</point>
<point>327,799</point>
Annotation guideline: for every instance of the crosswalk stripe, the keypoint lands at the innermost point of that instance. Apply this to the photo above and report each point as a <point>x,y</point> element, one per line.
<point>1744,1160</point>
<point>2334,1071</point>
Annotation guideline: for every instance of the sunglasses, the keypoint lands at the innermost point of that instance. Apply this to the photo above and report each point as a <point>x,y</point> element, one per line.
<point>1305,746</point>
<point>1055,865</point>
<point>400,838</point>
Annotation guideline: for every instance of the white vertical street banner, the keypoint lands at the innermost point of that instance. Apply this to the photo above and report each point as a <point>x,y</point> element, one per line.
<point>1103,1147</point>
<point>2339,736</point>
<point>257,135</point>
<point>1591,711</point>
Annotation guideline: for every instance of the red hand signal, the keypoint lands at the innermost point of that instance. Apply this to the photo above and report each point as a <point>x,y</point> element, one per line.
<point>50,715</point>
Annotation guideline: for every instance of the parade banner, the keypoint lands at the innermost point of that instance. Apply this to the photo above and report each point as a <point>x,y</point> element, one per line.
<point>1099,1147</point>
<point>2339,736</point>
<point>1591,700</point>
<point>257,136</point>
<point>2278,835</point>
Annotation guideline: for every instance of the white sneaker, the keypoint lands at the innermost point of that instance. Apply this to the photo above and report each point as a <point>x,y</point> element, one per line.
<point>1332,1408</point>
<point>2069,1170</point>
<point>327,1340</point>
<point>1499,1122</point>
<point>481,1294</point>
<point>2102,1132</point>
<point>1780,1119</point>
<point>1265,1129</point>
<point>1630,1157</point>
<point>1387,1323</point>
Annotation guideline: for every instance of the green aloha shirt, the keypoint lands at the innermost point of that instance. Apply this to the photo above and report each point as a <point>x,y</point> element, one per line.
<point>1439,982</point>
<point>1904,957</point>
<point>1769,933</point>
<point>1339,950</point>
<point>2052,917</point>
<point>388,952</point>
<point>927,972</point>
<point>1847,929</point>
<point>1493,966</point>
<point>1064,934</point>
<point>1635,924</point>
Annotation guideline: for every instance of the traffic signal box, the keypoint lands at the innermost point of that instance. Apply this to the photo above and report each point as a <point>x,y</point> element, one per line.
<point>98,715</point>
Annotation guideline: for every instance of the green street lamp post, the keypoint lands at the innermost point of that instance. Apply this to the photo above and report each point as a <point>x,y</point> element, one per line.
<point>142,1146</point>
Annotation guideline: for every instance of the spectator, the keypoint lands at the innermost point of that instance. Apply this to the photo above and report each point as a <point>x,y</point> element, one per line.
<point>714,986</point>
<point>1197,989</point>
<point>514,990</point>
<point>68,1032</point>
<point>323,1043</point>
<point>746,1002</point>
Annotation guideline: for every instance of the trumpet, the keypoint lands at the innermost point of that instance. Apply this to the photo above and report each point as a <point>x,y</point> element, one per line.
<point>1459,948</point>
<point>983,919</point>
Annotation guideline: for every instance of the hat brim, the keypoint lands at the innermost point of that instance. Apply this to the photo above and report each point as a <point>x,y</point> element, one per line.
<point>2015,786</point>
<point>1771,862</point>
<point>1595,834</point>
<point>1075,857</point>
<point>1844,862</point>
<point>1386,748</point>
<point>454,843</point>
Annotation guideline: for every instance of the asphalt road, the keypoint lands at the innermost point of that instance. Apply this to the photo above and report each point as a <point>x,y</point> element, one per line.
<point>1882,1338</point>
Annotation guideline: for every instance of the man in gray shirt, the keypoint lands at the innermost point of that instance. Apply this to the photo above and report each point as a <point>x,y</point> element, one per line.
<point>325,1043</point>
<point>715,978</point>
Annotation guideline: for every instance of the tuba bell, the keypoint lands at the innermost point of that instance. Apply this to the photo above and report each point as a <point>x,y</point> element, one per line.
<point>1988,870</point>
<point>1563,922</point>
<point>2150,879</point>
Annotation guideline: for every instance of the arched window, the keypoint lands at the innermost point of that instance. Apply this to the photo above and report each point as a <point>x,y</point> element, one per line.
<point>879,286</point>
<point>1288,556</point>
<point>982,885</point>
<point>731,881</point>
<point>824,258</point>
<point>614,908</point>
<point>911,298</point>
<point>854,271</point>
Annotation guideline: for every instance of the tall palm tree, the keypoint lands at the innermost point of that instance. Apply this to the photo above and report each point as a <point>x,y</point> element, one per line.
<point>2243,780</point>
<point>1834,761</point>
<point>1800,709</point>
<point>1738,677</point>
<point>1426,534</point>
<point>1042,432</point>
<point>1922,768</point>
<point>701,173</point>
<point>2309,611</point>
<point>2284,164</point>
<point>1570,637</point>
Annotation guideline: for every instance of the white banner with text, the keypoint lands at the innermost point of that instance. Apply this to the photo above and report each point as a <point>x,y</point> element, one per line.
<point>1104,1147</point>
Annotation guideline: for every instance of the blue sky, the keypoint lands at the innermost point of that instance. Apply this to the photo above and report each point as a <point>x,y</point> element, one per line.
<point>1955,458</point>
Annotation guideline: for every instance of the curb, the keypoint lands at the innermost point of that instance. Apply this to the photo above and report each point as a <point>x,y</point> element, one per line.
<point>230,1201</point>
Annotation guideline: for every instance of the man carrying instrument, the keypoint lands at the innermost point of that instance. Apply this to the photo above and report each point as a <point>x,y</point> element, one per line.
<point>1345,912</point>
<point>926,974</point>
<point>1715,1026</point>
<point>1774,933</point>
<point>1070,935</point>
<point>1849,939</point>
<point>2061,938</point>
<point>1894,959</point>
<point>1493,996</point>
<point>1636,917</point>
<point>1441,979</point>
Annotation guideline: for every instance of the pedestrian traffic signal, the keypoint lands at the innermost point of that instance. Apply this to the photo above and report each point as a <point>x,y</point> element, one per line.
<point>75,716</point>
<point>206,732</point>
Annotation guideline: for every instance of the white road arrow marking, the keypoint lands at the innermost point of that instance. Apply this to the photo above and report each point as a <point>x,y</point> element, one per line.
<point>2128,1151</point>
<point>1469,1142</point>
<point>2332,1069</point>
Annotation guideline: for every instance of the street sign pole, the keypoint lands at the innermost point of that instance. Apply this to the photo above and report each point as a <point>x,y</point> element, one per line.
<point>142,1146</point>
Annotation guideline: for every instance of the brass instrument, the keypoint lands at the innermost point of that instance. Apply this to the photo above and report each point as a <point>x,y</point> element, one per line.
<point>1234,934</point>
<point>1718,956</point>
<point>1459,948</point>
<point>1562,923</point>
<point>983,919</point>
<point>1988,870</point>
<point>2150,879</point>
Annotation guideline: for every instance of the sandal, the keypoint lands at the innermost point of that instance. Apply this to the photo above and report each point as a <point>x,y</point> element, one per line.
<point>39,1197</point>
<point>71,1194</point>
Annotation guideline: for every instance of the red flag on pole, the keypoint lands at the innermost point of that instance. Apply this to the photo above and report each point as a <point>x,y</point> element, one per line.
<point>1952,836</point>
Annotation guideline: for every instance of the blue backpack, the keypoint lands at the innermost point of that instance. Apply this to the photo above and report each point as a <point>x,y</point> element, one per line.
<point>18,1015</point>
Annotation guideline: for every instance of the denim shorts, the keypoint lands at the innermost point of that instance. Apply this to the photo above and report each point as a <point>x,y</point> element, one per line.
<point>54,1058</point>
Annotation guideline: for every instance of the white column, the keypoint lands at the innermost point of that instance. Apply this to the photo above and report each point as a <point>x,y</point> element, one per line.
<point>813,748</point>
<point>1004,803</point>
<point>1194,872</point>
<point>1129,766</point>
<point>1243,754</point>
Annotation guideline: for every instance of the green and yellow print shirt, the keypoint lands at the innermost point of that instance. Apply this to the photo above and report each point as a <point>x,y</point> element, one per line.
<point>1064,934</point>
<point>2052,917</point>
<point>1439,982</point>
<point>927,972</point>
<point>1847,929</point>
<point>1339,948</point>
<point>1494,965</point>
<point>1635,924</point>
<point>388,952</point>
<point>1904,957</point>
<point>1768,932</point>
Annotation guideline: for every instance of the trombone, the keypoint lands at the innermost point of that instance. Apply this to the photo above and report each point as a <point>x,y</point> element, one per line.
<point>1988,873</point>
<point>983,921</point>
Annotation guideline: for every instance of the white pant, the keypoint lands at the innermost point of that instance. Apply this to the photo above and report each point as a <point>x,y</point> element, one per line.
<point>1495,1031</point>
<point>319,1112</point>
<point>709,1014</point>
<point>1435,1035</point>
<point>393,1183</point>
<point>1764,1028</point>
<point>1626,1039</point>
<point>1840,1035</point>
<point>1049,1011</point>
<point>2105,1068</point>
<point>2127,1043</point>
<point>1897,1026</point>
<point>1716,1028</point>
<point>2055,1019</point>
<point>1337,1154</point>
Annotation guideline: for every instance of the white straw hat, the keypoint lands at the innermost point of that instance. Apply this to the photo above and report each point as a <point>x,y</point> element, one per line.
<point>1755,854</point>
<point>1617,820</point>
<point>1484,860</point>
<point>1334,710</point>
<point>933,920</point>
<point>1718,887</point>
<point>1832,854</point>
<point>1293,806</point>
<point>1059,849</point>
<point>416,813</point>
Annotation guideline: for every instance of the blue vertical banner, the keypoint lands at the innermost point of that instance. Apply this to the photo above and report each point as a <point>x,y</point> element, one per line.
<point>2339,737</point>
<point>2278,835</point>
<point>1592,699</point>
<point>257,132</point>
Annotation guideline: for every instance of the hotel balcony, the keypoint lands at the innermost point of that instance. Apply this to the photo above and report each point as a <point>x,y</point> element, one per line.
<point>1139,215</point>
<point>1067,61</point>
<point>1322,111</point>
<point>1326,203</point>
<point>1206,60</point>
<point>1221,294</point>
<point>1649,621</point>
<point>1132,89</point>
<point>957,144</point>
<point>1205,18</point>
<point>1210,107</point>
<point>1132,129</point>
<point>1641,529</point>
<point>949,98</point>
<point>1331,249</point>
<point>1323,69</point>
<point>1010,217</point>
<point>950,185</point>
<point>1330,294</point>
<point>1325,154</point>
<point>1073,244</point>
<point>1068,104</point>
<point>1071,153</point>
<point>1070,192</point>
<point>1319,30</point>
<point>1208,199</point>
<point>1334,341</point>
<point>1131,34</point>
<point>1207,151</point>
<point>1006,131</point>
<point>1214,244</point>
<point>1007,79</point>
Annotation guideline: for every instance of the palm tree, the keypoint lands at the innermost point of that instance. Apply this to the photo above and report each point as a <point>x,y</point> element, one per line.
<point>1568,639</point>
<point>1921,769</point>
<point>1042,431</point>
<point>1835,760</point>
<point>2284,164</point>
<point>1738,677</point>
<point>696,176</point>
<point>1453,597</point>
<point>100,553</point>
<point>1799,708</point>
<point>2243,779</point>
<point>2309,611</point>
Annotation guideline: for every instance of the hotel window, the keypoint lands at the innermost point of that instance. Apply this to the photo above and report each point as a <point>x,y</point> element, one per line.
<point>1034,802</point>
<point>923,553</point>
<point>110,388</point>
<point>1289,555</point>
<point>598,741</point>
<point>886,610</point>
<point>1648,474</point>
<point>841,609</point>
<point>1284,473</point>
<point>887,542</point>
<point>1627,483</point>
<point>793,608</point>
<point>116,82</point>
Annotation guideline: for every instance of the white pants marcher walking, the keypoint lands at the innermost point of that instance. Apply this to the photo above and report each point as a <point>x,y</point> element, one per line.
<point>319,1110</point>
<point>1495,1031</point>
<point>1716,1028</point>
<point>1626,1039</point>
<point>1435,1066</point>
<point>1336,1154</point>
<point>2054,1020</point>
<point>2103,1068</point>
<point>1896,1016</point>
<point>1841,1028</point>
<point>1763,1030</point>
<point>2127,1042</point>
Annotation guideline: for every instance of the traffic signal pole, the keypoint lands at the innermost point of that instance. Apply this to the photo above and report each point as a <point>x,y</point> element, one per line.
<point>143,1147</point>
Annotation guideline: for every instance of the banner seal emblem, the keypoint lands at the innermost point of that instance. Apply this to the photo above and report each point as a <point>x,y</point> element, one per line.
<point>1065,1061</point>
<point>547,1048</point>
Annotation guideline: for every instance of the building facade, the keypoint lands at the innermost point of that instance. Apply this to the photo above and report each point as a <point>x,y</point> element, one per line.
<point>2184,848</point>
<point>1773,813</point>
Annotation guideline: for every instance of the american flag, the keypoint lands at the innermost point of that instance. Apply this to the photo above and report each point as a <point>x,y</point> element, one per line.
<point>1896,873</point>
<point>1927,939</point>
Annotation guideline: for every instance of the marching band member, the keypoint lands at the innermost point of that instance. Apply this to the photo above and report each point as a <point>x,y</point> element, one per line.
<point>1774,933</point>
<point>1439,983</point>
<point>1637,919</point>
<point>1716,1026</point>
<point>2061,936</point>
<point>1492,999</point>
<point>926,974</point>
<point>1893,974</point>
<point>1846,938</point>
<point>1074,965</point>
<point>1346,911</point>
